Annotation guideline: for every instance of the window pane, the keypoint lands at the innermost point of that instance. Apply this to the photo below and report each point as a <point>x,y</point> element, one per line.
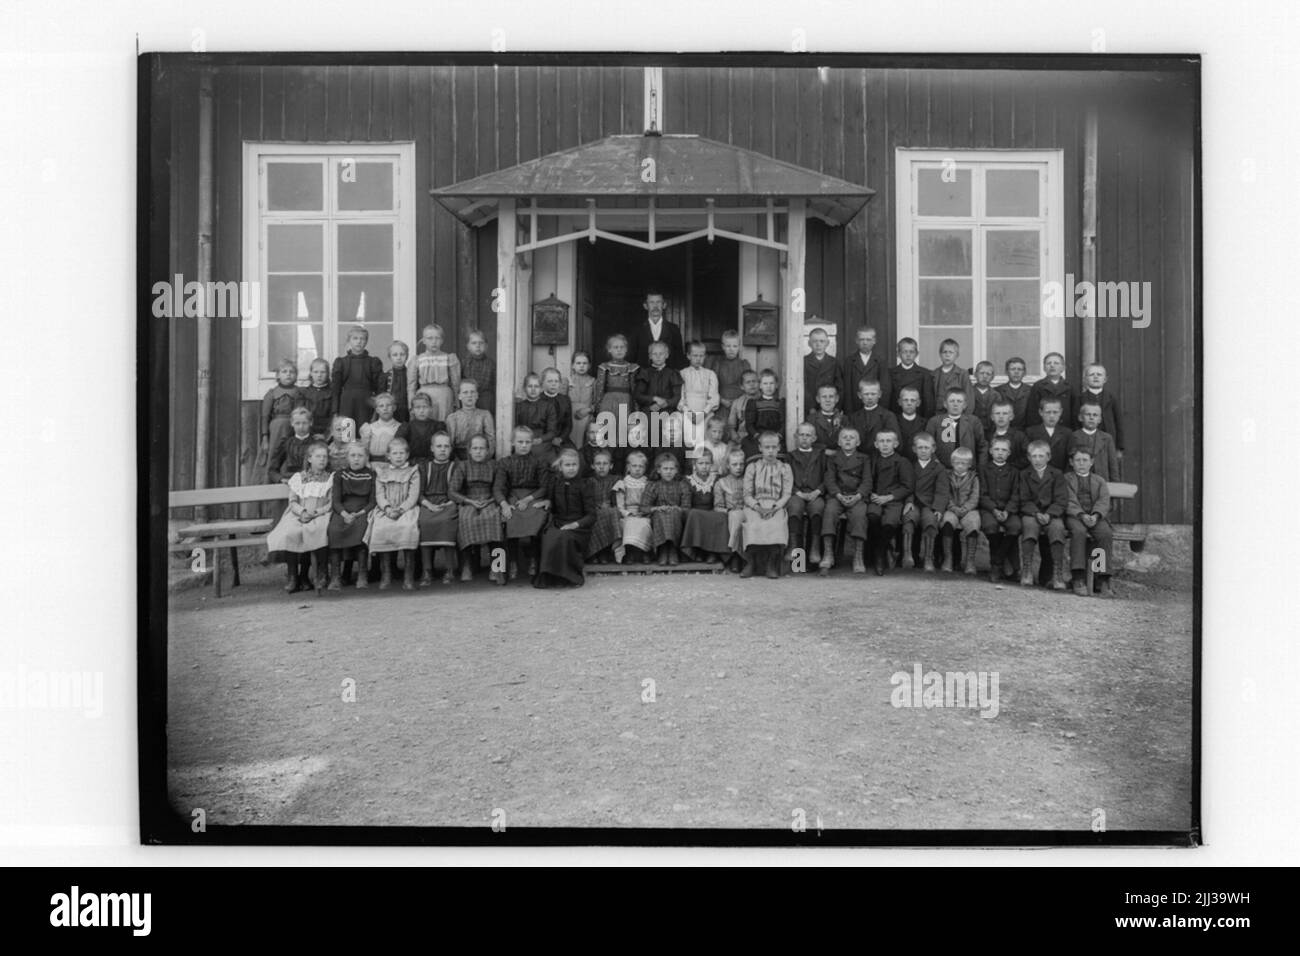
<point>295,186</point>
<point>945,302</point>
<point>1012,252</point>
<point>294,298</point>
<point>1011,192</point>
<point>381,336</point>
<point>377,305</point>
<point>301,342</point>
<point>1006,343</point>
<point>294,248</point>
<point>944,252</point>
<point>1014,302</point>
<point>928,340</point>
<point>366,247</point>
<point>365,185</point>
<point>934,197</point>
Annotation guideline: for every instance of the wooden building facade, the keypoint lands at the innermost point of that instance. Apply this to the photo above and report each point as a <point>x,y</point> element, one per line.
<point>963,191</point>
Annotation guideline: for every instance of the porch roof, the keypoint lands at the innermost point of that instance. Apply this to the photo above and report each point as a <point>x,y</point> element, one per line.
<point>685,165</point>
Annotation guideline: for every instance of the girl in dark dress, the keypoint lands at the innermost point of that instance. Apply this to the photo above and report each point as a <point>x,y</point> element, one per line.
<point>706,534</point>
<point>572,513</point>
<point>278,404</point>
<point>355,378</point>
<point>608,529</point>
<point>764,414</point>
<point>354,501</point>
<point>438,513</point>
<point>667,500</point>
<point>479,521</point>
<point>320,398</point>
<point>554,392</point>
<point>421,428</point>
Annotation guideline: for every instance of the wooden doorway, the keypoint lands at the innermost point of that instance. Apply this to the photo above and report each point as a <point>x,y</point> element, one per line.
<point>699,280</point>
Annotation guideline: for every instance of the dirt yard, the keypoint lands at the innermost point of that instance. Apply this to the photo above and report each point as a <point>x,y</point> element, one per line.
<point>768,698</point>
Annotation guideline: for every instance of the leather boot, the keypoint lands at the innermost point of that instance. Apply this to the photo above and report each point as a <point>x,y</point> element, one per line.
<point>927,549</point>
<point>859,566</point>
<point>948,541</point>
<point>908,560</point>
<point>1058,567</point>
<point>385,571</point>
<point>408,571</point>
<point>972,545</point>
<point>794,535</point>
<point>336,571</point>
<point>1079,584</point>
<point>997,547</point>
<point>773,569</point>
<point>815,533</point>
<point>291,575</point>
<point>321,563</point>
<point>748,570</point>
<point>1027,563</point>
<point>827,559</point>
<point>363,568</point>
<point>426,572</point>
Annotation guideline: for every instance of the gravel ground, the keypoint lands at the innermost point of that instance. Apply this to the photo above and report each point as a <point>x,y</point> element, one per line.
<point>768,698</point>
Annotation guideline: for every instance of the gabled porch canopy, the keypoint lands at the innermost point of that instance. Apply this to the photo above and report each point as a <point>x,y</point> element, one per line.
<point>673,187</point>
<point>676,180</point>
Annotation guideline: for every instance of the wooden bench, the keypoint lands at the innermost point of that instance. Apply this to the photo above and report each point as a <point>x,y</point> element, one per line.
<point>1134,534</point>
<point>221,535</point>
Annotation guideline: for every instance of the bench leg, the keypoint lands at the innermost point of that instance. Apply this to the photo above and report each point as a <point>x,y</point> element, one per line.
<point>234,565</point>
<point>216,572</point>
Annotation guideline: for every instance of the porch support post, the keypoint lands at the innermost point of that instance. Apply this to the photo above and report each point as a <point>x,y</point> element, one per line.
<point>1089,324</point>
<point>793,313</point>
<point>506,289</point>
<point>203,324</point>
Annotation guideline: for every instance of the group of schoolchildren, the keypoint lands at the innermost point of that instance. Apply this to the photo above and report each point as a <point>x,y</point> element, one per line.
<point>915,462</point>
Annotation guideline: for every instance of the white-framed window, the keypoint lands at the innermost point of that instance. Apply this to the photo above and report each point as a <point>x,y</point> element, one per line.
<point>979,233</point>
<point>329,237</point>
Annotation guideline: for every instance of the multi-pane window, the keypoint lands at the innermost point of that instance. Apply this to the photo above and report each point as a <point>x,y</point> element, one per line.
<point>329,236</point>
<point>978,236</point>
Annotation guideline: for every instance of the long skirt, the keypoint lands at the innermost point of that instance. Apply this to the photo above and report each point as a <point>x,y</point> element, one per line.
<point>356,404</point>
<point>611,402</point>
<point>439,530</point>
<point>280,426</point>
<point>343,535</point>
<point>736,530</point>
<point>527,522</point>
<point>607,531</point>
<point>478,525</point>
<point>637,533</point>
<point>387,534</point>
<point>562,553</point>
<point>761,531</point>
<point>291,536</point>
<point>666,526</point>
<point>706,531</point>
<point>578,433</point>
<point>443,400</point>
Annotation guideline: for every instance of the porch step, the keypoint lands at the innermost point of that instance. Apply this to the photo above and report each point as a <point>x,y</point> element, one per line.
<point>689,566</point>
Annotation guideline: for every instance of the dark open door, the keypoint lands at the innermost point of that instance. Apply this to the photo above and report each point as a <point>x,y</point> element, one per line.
<point>698,280</point>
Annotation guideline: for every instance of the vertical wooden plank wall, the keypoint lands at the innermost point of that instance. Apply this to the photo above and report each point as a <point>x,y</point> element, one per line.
<point>466,121</point>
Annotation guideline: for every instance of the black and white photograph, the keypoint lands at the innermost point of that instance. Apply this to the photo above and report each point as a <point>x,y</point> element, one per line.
<point>672,448</point>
